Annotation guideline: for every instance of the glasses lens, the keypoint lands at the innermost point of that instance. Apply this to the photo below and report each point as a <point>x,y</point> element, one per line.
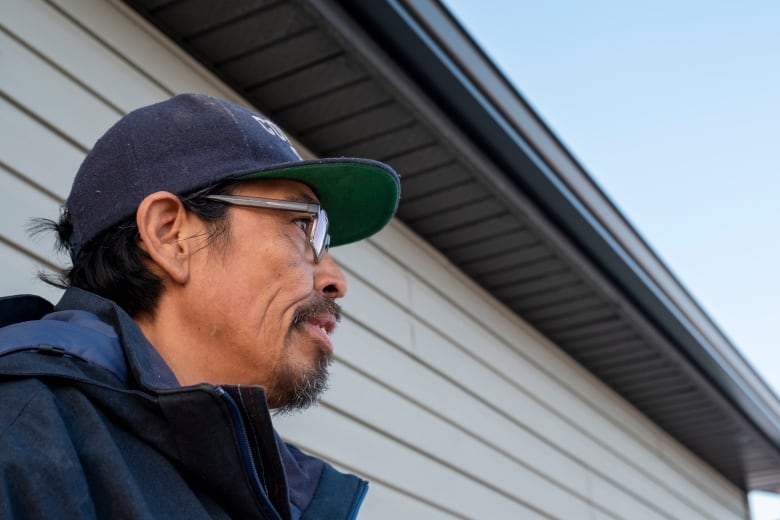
<point>320,239</point>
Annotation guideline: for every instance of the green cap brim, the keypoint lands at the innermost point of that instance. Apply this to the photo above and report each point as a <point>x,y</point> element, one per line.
<point>360,195</point>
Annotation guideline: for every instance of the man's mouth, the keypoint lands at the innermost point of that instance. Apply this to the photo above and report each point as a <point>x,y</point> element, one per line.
<point>321,326</point>
<point>325,322</point>
<point>319,317</point>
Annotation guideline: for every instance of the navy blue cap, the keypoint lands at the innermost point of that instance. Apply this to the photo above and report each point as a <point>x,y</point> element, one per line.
<point>193,141</point>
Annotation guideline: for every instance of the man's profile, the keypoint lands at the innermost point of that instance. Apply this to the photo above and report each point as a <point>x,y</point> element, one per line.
<point>201,298</point>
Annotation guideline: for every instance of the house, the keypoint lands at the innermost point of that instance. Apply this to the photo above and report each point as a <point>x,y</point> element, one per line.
<point>511,348</point>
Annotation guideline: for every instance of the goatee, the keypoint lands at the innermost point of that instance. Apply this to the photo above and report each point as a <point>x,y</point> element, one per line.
<point>296,388</point>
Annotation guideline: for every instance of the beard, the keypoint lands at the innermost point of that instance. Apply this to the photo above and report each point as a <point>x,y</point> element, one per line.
<point>295,388</point>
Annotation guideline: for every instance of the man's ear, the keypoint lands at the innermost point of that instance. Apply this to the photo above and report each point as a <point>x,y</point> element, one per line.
<point>164,224</point>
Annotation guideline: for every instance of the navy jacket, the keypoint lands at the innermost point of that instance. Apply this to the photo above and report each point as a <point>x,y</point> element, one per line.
<point>94,425</point>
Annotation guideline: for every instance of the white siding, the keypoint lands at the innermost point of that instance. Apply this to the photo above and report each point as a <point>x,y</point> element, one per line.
<point>449,404</point>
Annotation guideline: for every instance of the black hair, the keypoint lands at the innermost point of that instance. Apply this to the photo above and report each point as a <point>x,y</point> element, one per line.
<point>114,266</point>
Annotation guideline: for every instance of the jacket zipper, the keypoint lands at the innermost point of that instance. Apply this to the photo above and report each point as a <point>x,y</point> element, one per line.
<point>248,456</point>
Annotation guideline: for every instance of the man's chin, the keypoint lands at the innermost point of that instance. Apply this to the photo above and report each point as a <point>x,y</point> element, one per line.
<point>295,390</point>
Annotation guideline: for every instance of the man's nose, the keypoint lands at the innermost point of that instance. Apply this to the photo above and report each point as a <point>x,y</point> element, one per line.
<point>328,278</point>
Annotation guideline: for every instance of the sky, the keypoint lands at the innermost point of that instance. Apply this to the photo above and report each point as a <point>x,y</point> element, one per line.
<point>673,107</point>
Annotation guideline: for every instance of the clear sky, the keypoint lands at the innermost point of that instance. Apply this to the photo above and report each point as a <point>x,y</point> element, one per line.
<point>673,107</point>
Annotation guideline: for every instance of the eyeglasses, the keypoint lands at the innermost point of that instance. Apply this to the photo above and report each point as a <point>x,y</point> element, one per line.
<point>319,239</point>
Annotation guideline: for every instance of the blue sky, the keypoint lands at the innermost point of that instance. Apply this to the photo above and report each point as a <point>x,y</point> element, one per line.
<point>674,109</point>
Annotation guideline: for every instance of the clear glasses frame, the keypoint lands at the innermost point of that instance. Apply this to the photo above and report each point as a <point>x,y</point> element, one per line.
<point>319,239</point>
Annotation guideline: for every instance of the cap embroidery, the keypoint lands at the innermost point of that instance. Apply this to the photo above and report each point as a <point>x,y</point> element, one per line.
<point>272,129</point>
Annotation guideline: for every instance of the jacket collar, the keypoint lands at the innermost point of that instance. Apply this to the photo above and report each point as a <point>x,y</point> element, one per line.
<point>146,369</point>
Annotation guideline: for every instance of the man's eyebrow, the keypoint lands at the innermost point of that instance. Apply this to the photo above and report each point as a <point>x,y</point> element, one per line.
<point>301,197</point>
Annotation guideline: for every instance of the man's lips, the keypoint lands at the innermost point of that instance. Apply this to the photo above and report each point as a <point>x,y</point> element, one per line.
<point>327,322</point>
<point>322,326</point>
<point>319,316</point>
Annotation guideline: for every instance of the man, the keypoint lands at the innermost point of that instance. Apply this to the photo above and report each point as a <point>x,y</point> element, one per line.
<point>201,295</point>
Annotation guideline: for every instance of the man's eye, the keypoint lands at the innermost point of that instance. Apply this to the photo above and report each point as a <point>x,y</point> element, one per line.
<point>303,223</point>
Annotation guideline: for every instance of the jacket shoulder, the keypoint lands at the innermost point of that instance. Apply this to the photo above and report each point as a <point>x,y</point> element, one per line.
<point>23,307</point>
<point>26,401</point>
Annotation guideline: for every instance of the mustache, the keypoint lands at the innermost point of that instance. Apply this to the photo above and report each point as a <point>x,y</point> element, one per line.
<point>316,305</point>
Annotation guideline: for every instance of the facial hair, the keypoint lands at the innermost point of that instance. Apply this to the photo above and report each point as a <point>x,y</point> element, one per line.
<point>295,388</point>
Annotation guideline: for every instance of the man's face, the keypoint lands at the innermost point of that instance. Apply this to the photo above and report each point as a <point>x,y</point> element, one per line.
<point>262,309</point>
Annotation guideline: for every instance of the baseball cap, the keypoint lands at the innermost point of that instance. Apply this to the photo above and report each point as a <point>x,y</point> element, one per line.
<point>192,141</point>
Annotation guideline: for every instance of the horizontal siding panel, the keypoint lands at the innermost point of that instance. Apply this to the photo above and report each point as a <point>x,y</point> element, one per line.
<point>613,426</point>
<point>530,412</point>
<point>55,36</point>
<point>446,397</point>
<point>38,154</point>
<point>326,432</point>
<point>19,205</point>
<point>19,274</point>
<point>625,506</point>
<point>438,439</point>
<point>397,281</point>
<point>384,503</point>
<point>69,108</point>
<point>384,318</point>
<point>153,55</point>
<point>541,404</point>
